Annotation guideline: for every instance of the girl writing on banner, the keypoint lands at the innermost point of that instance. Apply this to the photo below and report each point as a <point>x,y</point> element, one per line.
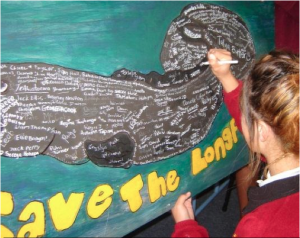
<point>266,109</point>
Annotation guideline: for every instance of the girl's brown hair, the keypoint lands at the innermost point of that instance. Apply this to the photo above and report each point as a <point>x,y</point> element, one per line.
<point>271,94</point>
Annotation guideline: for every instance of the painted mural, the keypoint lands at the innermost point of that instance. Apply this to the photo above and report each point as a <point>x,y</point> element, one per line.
<point>115,85</point>
<point>130,117</point>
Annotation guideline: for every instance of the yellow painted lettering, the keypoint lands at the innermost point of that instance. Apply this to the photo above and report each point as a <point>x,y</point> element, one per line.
<point>234,130</point>
<point>7,203</point>
<point>172,180</point>
<point>63,213</point>
<point>37,227</point>
<point>220,146</point>
<point>99,201</point>
<point>227,137</point>
<point>5,232</point>
<point>198,163</point>
<point>209,154</point>
<point>130,192</point>
<point>217,151</point>
<point>156,186</point>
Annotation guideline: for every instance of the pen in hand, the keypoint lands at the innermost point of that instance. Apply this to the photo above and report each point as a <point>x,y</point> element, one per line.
<point>222,62</point>
<point>199,68</point>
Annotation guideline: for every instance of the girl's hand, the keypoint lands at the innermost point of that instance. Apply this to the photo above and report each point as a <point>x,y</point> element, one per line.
<point>219,70</point>
<point>183,209</point>
<point>222,71</point>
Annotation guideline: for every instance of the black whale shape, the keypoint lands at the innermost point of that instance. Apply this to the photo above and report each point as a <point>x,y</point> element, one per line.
<point>68,114</point>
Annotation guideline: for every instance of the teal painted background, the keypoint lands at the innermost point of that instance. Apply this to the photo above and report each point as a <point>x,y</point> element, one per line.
<point>101,37</point>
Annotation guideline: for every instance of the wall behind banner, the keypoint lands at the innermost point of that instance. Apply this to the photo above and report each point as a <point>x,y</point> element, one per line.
<point>44,197</point>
